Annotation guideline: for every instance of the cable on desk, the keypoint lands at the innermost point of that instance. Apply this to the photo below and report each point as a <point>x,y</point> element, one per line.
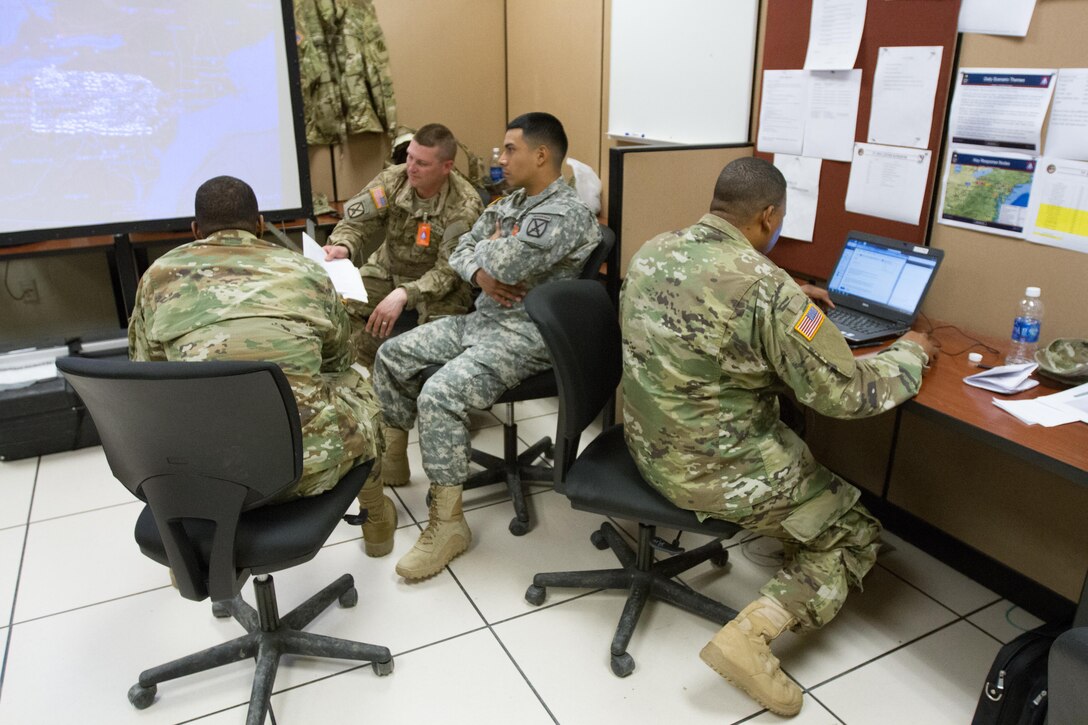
<point>975,342</point>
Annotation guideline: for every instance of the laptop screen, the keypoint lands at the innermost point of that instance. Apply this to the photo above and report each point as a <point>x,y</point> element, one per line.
<point>894,275</point>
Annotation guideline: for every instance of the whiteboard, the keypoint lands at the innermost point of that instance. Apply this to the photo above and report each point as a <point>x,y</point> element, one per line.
<point>681,72</point>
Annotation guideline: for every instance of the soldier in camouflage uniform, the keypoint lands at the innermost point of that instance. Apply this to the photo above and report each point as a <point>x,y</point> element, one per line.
<point>540,232</point>
<point>712,331</point>
<point>233,296</point>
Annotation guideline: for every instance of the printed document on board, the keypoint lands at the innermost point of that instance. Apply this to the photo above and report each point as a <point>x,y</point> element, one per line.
<point>887,182</point>
<point>904,87</point>
<point>782,111</point>
<point>802,194</point>
<point>986,190</point>
<point>835,34</point>
<point>344,275</point>
<point>1058,209</point>
<point>1067,132</point>
<point>996,17</point>
<point>1001,107</point>
<point>832,114</point>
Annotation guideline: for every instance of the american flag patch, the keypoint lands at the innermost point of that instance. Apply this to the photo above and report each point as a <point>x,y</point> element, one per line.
<point>378,195</point>
<point>810,322</point>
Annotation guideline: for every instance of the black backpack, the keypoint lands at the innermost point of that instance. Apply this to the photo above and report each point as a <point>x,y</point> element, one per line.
<point>1015,688</point>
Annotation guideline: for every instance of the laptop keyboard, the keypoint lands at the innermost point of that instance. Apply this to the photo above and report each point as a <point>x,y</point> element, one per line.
<point>857,322</point>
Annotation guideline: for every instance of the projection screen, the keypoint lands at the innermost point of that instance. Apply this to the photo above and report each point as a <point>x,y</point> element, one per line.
<point>113,112</point>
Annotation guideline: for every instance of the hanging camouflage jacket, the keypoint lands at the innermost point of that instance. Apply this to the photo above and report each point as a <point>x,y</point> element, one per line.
<point>344,70</point>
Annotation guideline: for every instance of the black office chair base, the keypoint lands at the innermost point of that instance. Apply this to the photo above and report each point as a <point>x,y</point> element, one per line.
<point>643,578</point>
<point>514,470</point>
<point>268,638</point>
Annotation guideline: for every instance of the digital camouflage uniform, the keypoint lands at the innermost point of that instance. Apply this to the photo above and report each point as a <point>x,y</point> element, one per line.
<point>233,296</point>
<point>544,237</point>
<point>347,87</point>
<point>389,203</point>
<point>712,332</point>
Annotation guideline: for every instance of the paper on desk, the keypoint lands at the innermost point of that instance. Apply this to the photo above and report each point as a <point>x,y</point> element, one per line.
<point>20,377</point>
<point>344,275</point>
<point>1005,379</point>
<point>1036,412</point>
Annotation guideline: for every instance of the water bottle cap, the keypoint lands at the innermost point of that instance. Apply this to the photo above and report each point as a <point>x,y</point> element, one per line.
<point>1032,292</point>
<point>974,358</point>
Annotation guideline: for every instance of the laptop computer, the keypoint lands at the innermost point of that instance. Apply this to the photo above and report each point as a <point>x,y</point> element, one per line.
<point>878,285</point>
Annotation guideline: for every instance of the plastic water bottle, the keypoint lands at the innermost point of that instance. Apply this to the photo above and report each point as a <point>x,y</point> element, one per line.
<point>495,169</point>
<point>1025,328</point>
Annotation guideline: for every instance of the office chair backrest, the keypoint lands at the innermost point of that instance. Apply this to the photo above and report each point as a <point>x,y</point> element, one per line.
<point>199,441</point>
<point>592,267</point>
<point>579,326</point>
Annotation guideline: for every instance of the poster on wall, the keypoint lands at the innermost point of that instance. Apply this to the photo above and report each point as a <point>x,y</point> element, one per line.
<point>986,191</point>
<point>1058,211</point>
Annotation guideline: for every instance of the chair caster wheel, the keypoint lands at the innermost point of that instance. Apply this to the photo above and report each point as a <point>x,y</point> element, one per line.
<point>518,527</point>
<point>549,450</point>
<point>623,665</point>
<point>141,697</point>
<point>720,558</point>
<point>598,540</point>
<point>349,598</point>
<point>535,595</point>
<point>381,669</point>
<point>220,610</point>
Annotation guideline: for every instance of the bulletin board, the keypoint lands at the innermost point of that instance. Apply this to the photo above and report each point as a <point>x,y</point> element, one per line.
<point>887,23</point>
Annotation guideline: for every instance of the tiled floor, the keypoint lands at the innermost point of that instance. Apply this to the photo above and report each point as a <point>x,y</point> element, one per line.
<point>82,612</point>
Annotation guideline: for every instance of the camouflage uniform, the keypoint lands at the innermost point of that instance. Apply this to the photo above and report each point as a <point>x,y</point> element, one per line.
<point>389,203</point>
<point>712,331</point>
<point>233,296</point>
<point>347,87</point>
<point>543,238</point>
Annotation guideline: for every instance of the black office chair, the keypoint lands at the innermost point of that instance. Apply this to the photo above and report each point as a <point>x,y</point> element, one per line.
<point>515,468</point>
<point>205,445</point>
<point>579,325</point>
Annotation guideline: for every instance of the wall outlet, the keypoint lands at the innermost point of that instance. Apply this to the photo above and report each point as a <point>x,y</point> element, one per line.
<point>29,295</point>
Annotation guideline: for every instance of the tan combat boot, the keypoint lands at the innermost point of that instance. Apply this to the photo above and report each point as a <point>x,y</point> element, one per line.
<point>447,535</point>
<point>740,653</point>
<point>381,518</point>
<point>395,459</point>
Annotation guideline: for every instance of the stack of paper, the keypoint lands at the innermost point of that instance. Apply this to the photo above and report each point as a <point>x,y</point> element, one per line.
<point>344,275</point>
<point>1005,379</point>
<point>1067,406</point>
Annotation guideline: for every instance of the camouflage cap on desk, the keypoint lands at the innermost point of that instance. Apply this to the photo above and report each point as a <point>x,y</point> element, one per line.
<point>1065,359</point>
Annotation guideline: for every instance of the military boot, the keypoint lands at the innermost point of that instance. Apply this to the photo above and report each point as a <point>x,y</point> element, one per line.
<point>740,653</point>
<point>395,459</point>
<point>381,518</point>
<point>447,535</point>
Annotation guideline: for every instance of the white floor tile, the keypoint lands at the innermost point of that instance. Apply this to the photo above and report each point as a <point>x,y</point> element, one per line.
<point>16,489</point>
<point>812,713</point>
<point>533,429</point>
<point>11,554</point>
<point>564,651</point>
<point>464,680</point>
<point>391,612</point>
<point>79,560</point>
<point>76,481</point>
<point>532,408</point>
<point>935,680</point>
<point>500,565</point>
<point>1005,620</point>
<point>77,667</point>
<point>953,589</point>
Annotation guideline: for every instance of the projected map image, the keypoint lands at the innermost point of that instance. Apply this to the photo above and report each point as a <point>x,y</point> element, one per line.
<point>989,191</point>
<point>115,111</point>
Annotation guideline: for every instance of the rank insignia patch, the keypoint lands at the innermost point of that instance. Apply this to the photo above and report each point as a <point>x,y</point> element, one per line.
<point>537,226</point>
<point>810,322</point>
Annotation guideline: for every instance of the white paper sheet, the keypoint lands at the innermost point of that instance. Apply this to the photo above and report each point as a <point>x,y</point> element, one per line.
<point>1001,107</point>
<point>832,114</point>
<point>996,17</point>
<point>835,34</point>
<point>888,182</point>
<point>802,194</point>
<point>1036,412</point>
<point>344,275</point>
<point>1058,208</point>
<point>904,87</point>
<point>1005,378</point>
<point>988,191</point>
<point>23,376</point>
<point>782,111</point>
<point>1067,132</point>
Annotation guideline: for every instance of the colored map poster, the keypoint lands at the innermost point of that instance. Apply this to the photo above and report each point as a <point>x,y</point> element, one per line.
<point>987,190</point>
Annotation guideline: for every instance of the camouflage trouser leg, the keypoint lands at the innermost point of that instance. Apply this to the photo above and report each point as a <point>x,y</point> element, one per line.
<point>365,344</point>
<point>817,573</point>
